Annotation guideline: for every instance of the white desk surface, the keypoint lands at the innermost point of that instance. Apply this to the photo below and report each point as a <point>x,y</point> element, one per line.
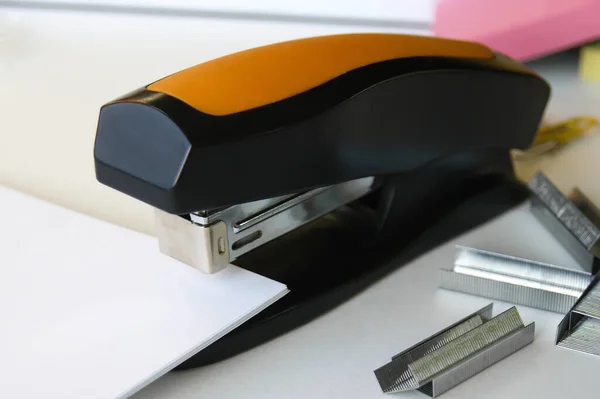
<point>335,355</point>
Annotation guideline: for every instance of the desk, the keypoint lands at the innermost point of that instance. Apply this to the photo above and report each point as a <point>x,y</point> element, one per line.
<point>333,356</point>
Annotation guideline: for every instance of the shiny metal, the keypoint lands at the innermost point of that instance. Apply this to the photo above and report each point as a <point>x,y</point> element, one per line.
<point>586,206</point>
<point>580,328</point>
<point>210,240</point>
<point>515,280</point>
<point>457,353</point>
<point>273,210</point>
<point>253,224</point>
<point>573,223</point>
<point>205,249</point>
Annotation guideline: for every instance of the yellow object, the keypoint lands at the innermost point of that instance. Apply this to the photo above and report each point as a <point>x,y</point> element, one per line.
<point>589,63</point>
<point>563,132</point>
<point>554,136</point>
<point>267,74</point>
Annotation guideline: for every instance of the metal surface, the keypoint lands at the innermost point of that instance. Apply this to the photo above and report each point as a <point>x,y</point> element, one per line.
<point>571,222</point>
<point>205,249</point>
<point>457,353</point>
<point>585,205</point>
<point>210,240</point>
<point>580,328</point>
<point>270,218</point>
<point>515,280</point>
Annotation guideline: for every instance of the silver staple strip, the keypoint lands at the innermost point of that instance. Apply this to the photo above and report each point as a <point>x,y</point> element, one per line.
<point>572,220</point>
<point>400,363</point>
<point>514,280</point>
<point>584,337</point>
<point>457,353</point>
<point>580,328</point>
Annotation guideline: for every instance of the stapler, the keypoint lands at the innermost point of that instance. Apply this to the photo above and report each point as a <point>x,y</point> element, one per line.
<point>323,163</point>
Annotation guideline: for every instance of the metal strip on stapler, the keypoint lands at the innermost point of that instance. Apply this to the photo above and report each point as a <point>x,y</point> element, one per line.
<point>209,240</point>
<point>514,280</point>
<point>579,330</point>
<point>573,220</point>
<point>457,353</point>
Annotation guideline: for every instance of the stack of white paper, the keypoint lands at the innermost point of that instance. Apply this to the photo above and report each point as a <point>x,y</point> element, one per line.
<point>91,310</point>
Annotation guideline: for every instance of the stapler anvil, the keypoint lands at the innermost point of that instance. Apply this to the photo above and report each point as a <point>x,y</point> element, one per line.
<point>323,163</point>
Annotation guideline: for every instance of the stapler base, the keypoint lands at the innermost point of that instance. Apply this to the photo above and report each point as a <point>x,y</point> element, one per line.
<point>326,262</point>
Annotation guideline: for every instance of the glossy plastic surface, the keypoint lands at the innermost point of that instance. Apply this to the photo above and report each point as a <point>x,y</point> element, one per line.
<point>384,118</point>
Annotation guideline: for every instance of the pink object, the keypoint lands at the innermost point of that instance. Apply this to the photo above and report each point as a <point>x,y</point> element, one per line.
<point>521,29</point>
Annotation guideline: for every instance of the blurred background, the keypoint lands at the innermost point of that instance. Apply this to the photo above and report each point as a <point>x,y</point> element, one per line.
<point>61,60</point>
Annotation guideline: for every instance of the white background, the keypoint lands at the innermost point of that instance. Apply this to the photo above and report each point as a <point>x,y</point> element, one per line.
<point>398,11</point>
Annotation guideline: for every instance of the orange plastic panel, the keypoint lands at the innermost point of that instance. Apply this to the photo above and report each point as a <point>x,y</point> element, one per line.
<point>267,74</point>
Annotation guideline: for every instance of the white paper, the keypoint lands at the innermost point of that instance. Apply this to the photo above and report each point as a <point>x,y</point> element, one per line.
<point>92,310</point>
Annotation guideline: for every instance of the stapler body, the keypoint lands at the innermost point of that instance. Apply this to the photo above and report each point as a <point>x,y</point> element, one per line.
<point>323,163</point>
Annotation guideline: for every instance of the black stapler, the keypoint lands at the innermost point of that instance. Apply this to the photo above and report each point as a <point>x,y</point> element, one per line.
<point>323,163</point>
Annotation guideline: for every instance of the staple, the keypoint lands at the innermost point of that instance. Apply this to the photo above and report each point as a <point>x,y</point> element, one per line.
<point>457,353</point>
<point>515,280</point>
<point>572,220</point>
<point>579,330</point>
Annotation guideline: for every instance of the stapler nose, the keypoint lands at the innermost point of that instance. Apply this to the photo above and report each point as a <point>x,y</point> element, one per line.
<point>320,157</point>
<point>142,142</point>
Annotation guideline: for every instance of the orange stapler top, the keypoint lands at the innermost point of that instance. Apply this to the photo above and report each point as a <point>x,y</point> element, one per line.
<point>322,162</point>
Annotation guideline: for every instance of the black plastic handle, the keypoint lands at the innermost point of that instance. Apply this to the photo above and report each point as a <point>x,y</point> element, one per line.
<point>383,118</point>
